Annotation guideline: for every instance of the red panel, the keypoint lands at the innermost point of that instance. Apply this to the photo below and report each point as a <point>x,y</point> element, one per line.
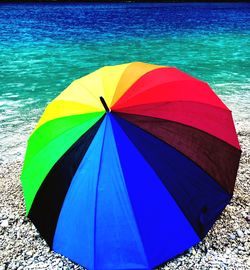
<point>217,158</point>
<point>165,85</point>
<point>210,119</point>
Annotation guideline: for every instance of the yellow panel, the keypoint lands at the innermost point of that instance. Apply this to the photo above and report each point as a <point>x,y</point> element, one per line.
<point>83,95</point>
<point>131,74</point>
<point>78,92</point>
<point>93,84</point>
<point>110,77</point>
<point>61,108</point>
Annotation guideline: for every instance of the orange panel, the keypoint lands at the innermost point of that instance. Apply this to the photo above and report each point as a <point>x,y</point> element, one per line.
<point>131,74</point>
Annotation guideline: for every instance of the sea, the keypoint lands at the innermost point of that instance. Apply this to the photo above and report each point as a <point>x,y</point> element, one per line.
<point>44,47</point>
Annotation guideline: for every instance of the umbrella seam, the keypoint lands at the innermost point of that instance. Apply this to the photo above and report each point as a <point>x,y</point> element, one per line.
<point>181,209</point>
<point>173,101</point>
<point>68,130</point>
<point>125,91</point>
<point>166,83</point>
<point>111,104</point>
<point>68,100</point>
<point>63,117</point>
<point>212,177</point>
<point>47,145</point>
<point>239,149</point>
<point>159,178</point>
<point>160,67</point>
<point>55,118</point>
<point>98,176</point>
<point>126,190</point>
<point>86,88</point>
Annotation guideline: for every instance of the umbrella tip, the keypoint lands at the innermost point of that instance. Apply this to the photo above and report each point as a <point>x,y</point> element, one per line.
<point>104,104</point>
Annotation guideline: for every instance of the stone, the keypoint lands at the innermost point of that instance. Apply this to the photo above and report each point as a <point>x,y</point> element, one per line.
<point>240,233</point>
<point>232,236</point>
<point>5,223</point>
<point>29,253</point>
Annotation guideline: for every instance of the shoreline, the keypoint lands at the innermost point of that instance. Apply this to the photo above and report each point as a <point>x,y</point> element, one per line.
<point>14,137</point>
<point>225,246</point>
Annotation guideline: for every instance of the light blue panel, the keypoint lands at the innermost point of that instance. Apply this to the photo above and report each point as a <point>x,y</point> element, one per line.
<point>164,230</point>
<point>117,244</point>
<point>74,236</point>
<point>96,226</point>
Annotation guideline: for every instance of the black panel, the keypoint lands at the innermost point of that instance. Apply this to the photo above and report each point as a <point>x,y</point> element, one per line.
<point>48,201</point>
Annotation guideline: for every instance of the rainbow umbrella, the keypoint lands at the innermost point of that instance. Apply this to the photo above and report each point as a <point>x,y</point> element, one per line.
<point>130,166</point>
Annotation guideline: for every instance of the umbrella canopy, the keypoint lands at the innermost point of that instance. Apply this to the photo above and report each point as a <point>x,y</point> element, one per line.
<point>130,166</point>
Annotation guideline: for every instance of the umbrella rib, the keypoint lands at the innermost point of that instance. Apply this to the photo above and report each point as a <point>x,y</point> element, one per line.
<point>147,89</point>
<point>98,176</point>
<point>158,104</point>
<point>187,156</point>
<point>131,96</point>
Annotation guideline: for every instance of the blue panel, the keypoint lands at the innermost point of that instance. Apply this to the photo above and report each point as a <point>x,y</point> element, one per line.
<point>96,227</point>
<point>117,244</point>
<point>164,229</point>
<point>74,236</point>
<point>198,195</point>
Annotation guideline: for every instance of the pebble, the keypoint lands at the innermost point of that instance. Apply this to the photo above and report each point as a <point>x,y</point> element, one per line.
<point>240,233</point>
<point>232,236</point>
<point>193,251</point>
<point>5,223</point>
<point>29,253</point>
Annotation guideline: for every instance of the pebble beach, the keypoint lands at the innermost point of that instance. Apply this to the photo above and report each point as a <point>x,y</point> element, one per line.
<point>226,246</point>
<point>45,47</point>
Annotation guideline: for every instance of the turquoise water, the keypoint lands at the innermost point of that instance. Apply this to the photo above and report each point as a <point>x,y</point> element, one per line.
<point>44,47</point>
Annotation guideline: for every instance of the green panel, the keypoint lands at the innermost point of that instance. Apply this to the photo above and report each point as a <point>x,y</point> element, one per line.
<point>47,144</point>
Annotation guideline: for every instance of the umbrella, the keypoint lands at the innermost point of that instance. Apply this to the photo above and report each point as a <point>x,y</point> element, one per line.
<point>130,166</point>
